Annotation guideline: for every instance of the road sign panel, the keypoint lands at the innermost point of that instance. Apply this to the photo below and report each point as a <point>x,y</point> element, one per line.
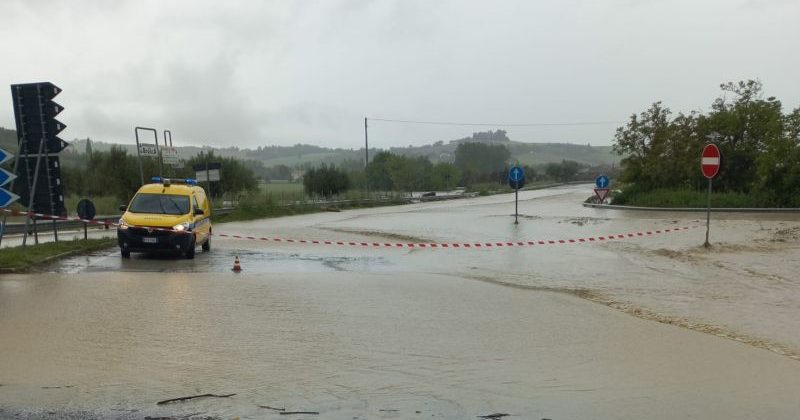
<point>7,197</point>
<point>52,144</point>
<point>6,177</point>
<point>516,177</point>
<point>602,181</point>
<point>5,156</point>
<point>210,165</point>
<point>169,155</point>
<point>710,161</point>
<point>213,175</point>
<point>47,90</point>
<point>86,209</point>
<point>50,201</point>
<point>148,149</point>
<point>602,194</point>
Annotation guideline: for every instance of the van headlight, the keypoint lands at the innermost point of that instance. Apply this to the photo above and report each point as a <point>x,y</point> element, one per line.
<point>181,227</point>
<point>121,225</point>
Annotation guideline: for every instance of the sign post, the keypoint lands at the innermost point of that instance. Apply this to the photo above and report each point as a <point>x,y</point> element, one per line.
<point>516,179</point>
<point>602,189</point>
<point>144,149</point>
<point>709,164</point>
<point>86,211</point>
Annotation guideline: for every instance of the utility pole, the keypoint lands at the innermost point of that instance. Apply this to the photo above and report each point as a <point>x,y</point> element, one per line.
<point>366,157</point>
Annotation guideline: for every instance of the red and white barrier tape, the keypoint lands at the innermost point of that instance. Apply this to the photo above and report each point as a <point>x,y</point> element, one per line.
<point>53,217</point>
<point>412,245</point>
<point>462,245</point>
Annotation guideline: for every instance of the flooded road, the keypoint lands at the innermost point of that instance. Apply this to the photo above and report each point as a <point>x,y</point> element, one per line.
<point>443,333</point>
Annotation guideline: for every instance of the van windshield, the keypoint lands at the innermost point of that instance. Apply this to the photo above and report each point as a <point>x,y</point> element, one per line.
<point>160,204</point>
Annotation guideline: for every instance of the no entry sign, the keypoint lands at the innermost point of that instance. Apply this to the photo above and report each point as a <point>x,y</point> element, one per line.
<point>710,161</point>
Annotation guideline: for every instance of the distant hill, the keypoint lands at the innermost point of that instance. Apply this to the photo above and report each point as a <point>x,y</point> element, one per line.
<point>309,155</point>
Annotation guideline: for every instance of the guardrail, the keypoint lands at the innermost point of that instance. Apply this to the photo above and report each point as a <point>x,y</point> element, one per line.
<point>66,225</point>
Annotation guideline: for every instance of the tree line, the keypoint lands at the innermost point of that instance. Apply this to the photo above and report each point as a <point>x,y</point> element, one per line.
<point>474,163</point>
<point>759,143</point>
<point>115,172</point>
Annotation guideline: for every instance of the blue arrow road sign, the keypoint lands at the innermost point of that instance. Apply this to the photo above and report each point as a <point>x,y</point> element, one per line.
<point>7,198</point>
<point>5,156</point>
<point>515,174</point>
<point>602,181</point>
<point>6,177</point>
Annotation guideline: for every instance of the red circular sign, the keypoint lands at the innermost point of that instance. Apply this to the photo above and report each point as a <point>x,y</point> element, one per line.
<point>710,161</point>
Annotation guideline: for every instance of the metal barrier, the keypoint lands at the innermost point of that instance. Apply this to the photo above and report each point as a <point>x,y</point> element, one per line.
<point>67,225</point>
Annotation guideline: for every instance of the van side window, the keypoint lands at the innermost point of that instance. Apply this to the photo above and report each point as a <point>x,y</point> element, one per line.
<point>194,202</point>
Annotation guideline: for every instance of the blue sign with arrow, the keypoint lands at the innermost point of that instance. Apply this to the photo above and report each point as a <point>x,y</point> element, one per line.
<point>7,198</point>
<point>6,177</point>
<point>5,156</point>
<point>602,181</point>
<point>515,174</point>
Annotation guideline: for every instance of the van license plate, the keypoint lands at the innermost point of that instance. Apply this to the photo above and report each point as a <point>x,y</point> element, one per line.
<point>149,240</point>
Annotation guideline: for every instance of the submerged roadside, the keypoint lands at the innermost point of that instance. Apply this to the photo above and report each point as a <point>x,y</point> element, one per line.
<point>20,259</point>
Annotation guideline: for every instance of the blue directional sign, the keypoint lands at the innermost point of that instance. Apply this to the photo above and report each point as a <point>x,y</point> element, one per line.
<point>5,156</point>
<point>515,174</point>
<point>7,198</point>
<point>602,181</point>
<point>6,177</point>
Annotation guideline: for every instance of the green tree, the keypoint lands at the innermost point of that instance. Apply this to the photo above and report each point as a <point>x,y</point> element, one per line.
<point>444,176</point>
<point>478,161</point>
<point>325,181</point>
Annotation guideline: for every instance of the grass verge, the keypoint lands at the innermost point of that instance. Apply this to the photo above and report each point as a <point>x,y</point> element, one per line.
<point>689,199</point>
<point>21,258</point>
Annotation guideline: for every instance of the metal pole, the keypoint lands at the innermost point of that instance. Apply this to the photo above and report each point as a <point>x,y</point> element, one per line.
<point>516,203</point>
<point>158,153</point>
<point>33,193</point>
<point>139,154</point>
<point>171,168</point>
<point>366,156</point>
<point>47,165</point>
<point>708,214</point>
<point>208,180</point>
<point>366,144</point>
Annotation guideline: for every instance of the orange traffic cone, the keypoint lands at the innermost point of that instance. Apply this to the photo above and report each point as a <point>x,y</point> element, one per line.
<point>236,267</point>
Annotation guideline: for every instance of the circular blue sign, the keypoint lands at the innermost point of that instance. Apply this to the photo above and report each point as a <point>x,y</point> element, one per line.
<point>602,181</point>
<point>515,174</point>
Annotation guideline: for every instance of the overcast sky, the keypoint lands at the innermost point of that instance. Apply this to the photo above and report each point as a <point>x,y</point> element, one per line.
<point>252,73</point>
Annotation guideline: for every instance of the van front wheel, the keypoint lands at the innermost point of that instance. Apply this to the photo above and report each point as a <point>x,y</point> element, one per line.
<point>190,251</point>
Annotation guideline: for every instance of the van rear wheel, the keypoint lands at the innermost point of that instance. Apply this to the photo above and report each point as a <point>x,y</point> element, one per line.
<point>125,253</point>
<point>207,245</point>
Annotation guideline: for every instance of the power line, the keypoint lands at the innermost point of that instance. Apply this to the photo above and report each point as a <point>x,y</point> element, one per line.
<point>499,124</point>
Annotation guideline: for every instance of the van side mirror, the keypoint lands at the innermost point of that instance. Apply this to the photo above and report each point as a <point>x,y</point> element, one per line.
<point>123,207</point>
<point>198,211</point>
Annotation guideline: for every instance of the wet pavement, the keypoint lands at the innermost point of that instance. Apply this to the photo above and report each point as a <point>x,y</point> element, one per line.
<point>444,333</point>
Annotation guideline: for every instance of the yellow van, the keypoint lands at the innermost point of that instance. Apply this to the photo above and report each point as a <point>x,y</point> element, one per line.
<point>169,215</point>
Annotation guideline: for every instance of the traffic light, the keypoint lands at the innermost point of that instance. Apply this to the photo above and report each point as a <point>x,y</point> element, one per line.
<point>38,166</point>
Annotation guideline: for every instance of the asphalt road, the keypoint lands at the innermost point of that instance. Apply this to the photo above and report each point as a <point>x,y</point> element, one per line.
<point>653,326</point>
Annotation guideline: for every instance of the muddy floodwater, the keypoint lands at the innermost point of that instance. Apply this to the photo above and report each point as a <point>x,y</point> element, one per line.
<point>652,326</point>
